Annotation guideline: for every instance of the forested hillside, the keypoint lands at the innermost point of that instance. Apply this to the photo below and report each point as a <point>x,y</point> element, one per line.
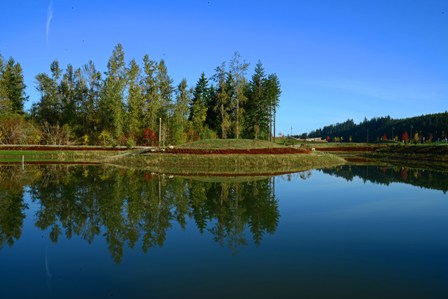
<point>132,103</point>
<point>419,129</point>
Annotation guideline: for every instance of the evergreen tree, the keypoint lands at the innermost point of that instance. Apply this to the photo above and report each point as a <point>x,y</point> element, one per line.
<point>49,107</point>
<point>198,106</point>
<point>66,90</point>
<point>165,91</point>
<point>5,104</point>
<point>151,99</point>
<point>135,100</point>
<point>112,99</point>
<point>12,86</point>
<point>90,107</point>
<point>80,98</point>
<point>211,120</point>
<point>180,116</point>
<point>258,108</point>
<point>273,92</point>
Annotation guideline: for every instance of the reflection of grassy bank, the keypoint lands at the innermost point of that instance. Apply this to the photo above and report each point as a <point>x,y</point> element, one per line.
<point>14,156</point>
<point>434,157</point>
<point>413,152</point>
<point>229,164</point>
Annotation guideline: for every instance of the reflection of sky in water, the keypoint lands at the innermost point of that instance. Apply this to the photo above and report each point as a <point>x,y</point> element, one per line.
<point>334,239</point>
<point>328,208</point>
<point>372,236</point>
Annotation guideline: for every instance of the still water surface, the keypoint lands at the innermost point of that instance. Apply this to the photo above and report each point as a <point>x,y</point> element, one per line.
<point>346,232</point>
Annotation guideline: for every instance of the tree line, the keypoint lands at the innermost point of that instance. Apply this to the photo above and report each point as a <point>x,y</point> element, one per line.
<point>134,103</point>
<point>419,129</point>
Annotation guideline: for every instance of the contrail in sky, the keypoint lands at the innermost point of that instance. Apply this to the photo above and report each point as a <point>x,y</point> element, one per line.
<point>49,17</point>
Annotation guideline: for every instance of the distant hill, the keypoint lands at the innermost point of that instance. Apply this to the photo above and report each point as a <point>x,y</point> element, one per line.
<point>419,129</point>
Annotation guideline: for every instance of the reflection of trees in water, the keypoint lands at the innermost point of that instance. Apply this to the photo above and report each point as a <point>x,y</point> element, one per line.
<point>227,209</point>
<point>386,175</point>
<point>12,206</point>
<point>129,207</point>
<point>11,216</point>
<point>304,175</point>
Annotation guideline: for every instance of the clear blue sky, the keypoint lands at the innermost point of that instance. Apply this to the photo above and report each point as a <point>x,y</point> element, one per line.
<point>335,59</point>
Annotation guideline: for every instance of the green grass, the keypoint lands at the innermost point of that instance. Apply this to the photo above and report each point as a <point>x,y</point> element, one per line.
<point>229,144</point>
<point>287,141</point>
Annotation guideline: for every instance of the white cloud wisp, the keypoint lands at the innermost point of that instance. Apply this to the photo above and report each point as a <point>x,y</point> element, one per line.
<point>49,18</point>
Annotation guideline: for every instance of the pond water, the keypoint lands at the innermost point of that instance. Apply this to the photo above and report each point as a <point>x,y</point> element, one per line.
<point>345,232</point>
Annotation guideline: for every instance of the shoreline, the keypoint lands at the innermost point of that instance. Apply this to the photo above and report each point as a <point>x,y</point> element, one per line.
<point>229,161</point>
<point>225,162</point>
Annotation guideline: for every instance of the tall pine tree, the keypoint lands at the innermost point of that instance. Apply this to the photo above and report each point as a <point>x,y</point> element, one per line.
<point>112,99</point>
<point>12,86</point>
<point>151,100</point>
<point>90,105</point>
<point>198,106</point>
<point>273,92</point>
<point>165,92</point>
<point>257,107</point>
<point>67,95</point>
<point>48,109</point>
<point>135,101</point>
<point>180,115</point>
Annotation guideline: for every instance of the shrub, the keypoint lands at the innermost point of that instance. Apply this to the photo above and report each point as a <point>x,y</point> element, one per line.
<point>105,138</point>
<point>130,142</point>
<point>56,135</point>
<point>15,129</point>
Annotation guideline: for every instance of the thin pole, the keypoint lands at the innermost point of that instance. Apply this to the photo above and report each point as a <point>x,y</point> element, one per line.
<point>275,111</point>
<point>160,131</point>
<point>237,117</point>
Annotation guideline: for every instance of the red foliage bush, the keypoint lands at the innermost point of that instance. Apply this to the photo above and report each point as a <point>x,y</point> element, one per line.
<point>149,137</point>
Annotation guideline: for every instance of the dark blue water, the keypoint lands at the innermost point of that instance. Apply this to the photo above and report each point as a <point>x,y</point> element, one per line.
<point>349,232</point>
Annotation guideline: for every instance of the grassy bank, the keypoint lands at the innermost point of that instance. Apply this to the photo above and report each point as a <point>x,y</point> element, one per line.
<point>229,164</point>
